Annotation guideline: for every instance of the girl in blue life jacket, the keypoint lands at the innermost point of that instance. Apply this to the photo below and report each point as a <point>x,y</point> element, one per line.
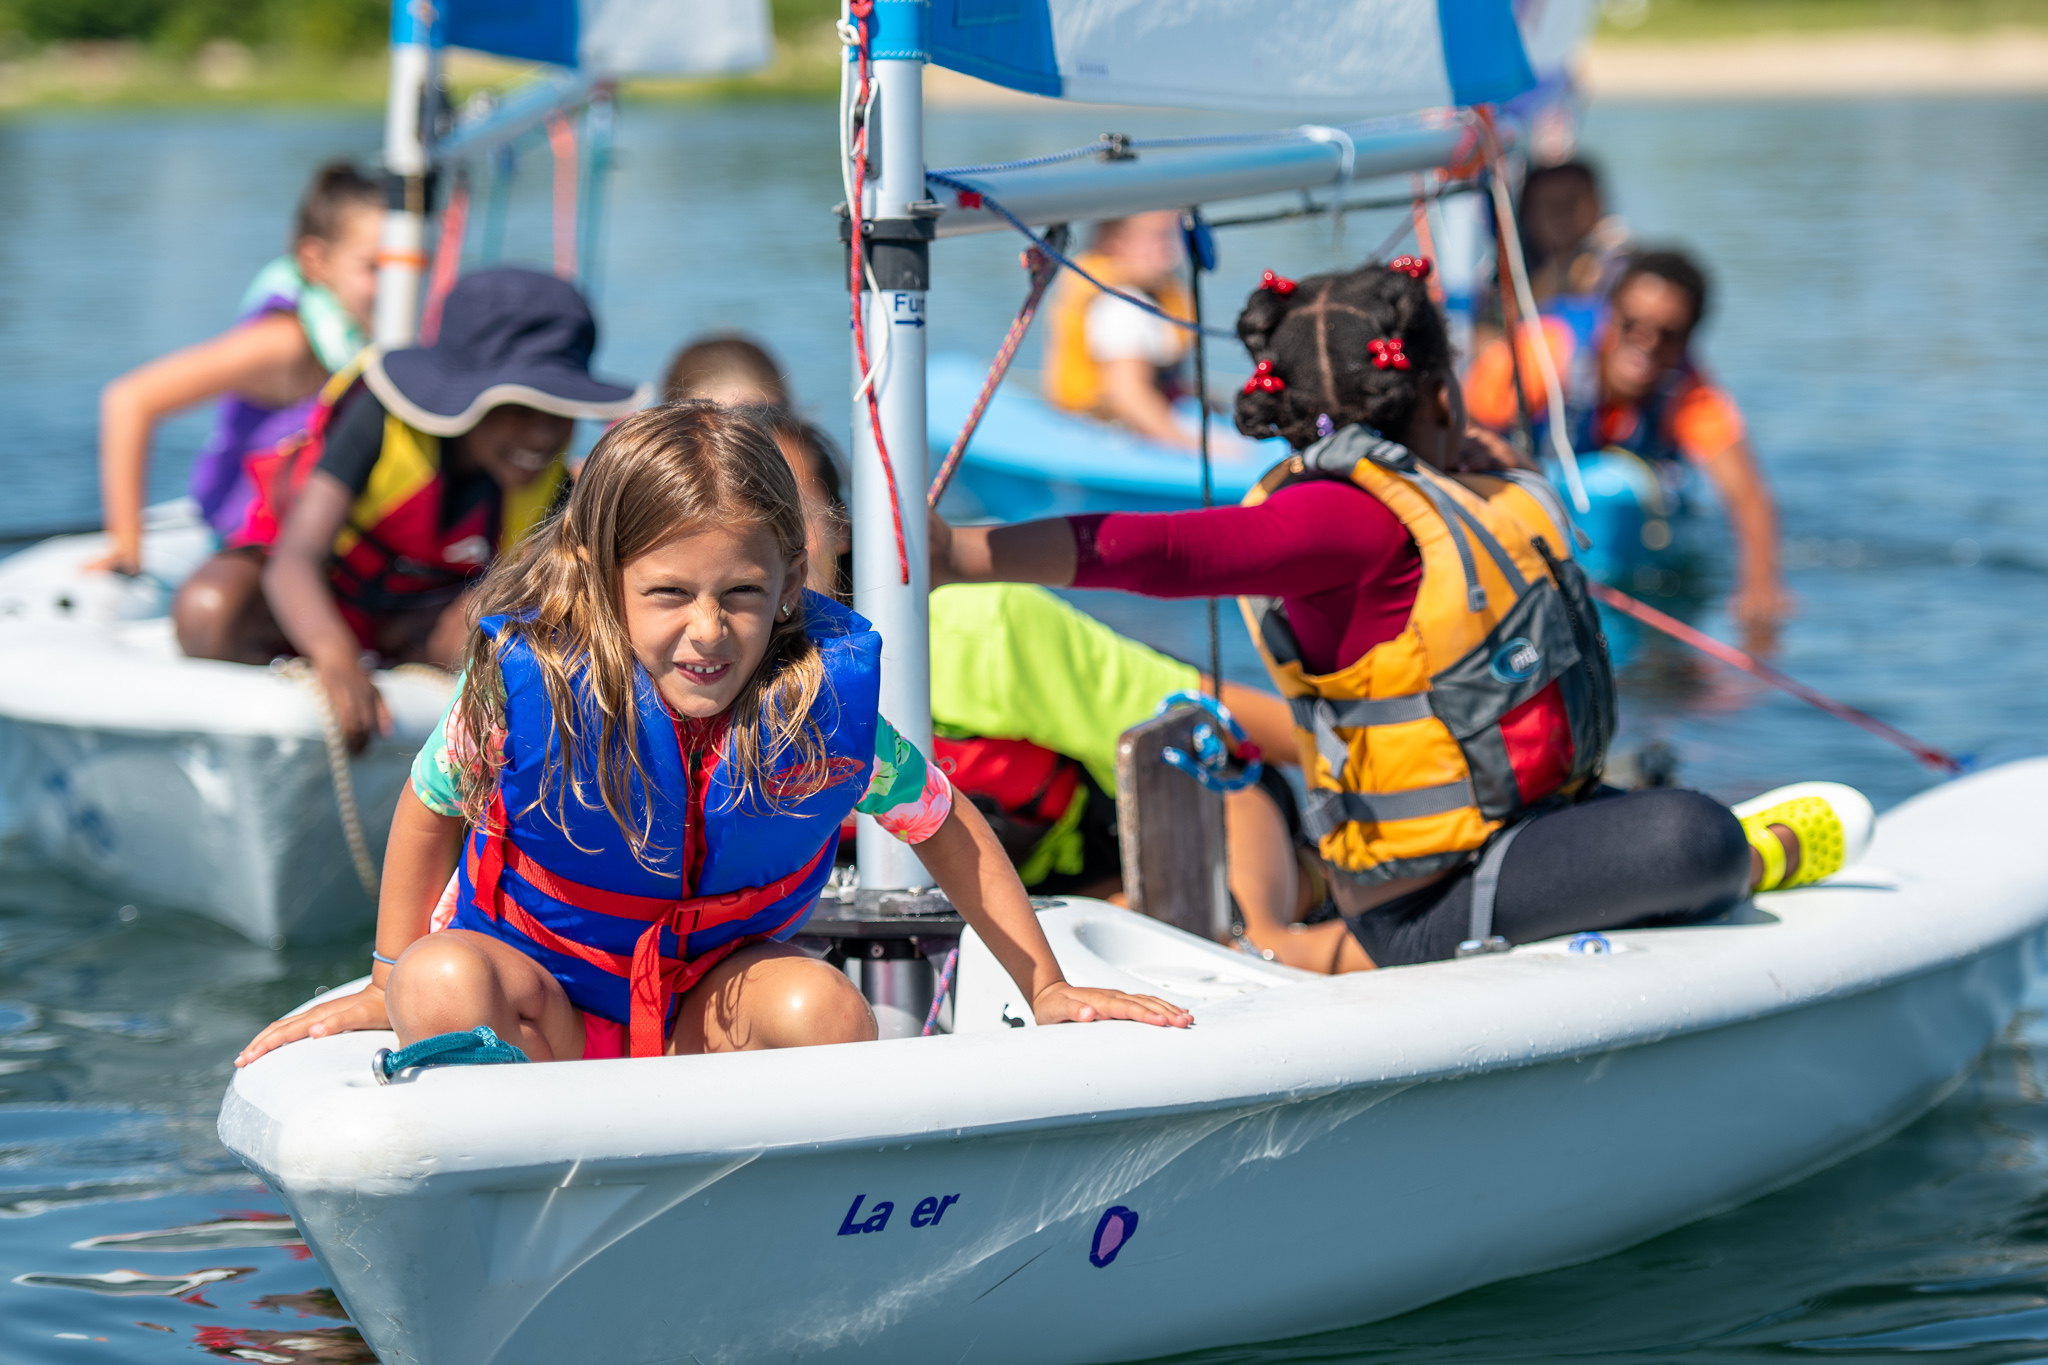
<point>658,736</point>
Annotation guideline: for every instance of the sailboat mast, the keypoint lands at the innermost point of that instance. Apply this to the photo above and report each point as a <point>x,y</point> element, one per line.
<point>416,40</point>
<point>898,228</point>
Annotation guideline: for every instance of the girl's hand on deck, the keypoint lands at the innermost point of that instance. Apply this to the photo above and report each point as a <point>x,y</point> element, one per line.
<point>1060,1003</point>
<point>362,1010</point>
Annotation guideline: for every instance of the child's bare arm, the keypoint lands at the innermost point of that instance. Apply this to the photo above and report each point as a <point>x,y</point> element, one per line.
<point>295,582</point>
<point>971,868</point>
<point>268,360</point>
<point>417,861</point>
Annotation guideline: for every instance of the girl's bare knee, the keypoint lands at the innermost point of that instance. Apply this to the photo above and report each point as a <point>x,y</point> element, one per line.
<point>814,1003</point>
<point>441,985</point>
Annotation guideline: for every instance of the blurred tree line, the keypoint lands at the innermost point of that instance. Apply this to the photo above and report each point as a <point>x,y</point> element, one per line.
<point>337,26</point>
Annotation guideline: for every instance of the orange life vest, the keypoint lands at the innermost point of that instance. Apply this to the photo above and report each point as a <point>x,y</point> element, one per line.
<point>394,553</point>
<point>1496,696</point>
<point>1073,378</point>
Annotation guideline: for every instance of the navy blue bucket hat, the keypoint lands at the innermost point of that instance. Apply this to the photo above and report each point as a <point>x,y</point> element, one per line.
<point>508,335</point>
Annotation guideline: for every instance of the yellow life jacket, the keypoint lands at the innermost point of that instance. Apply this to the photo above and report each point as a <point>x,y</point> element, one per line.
<point>1496,696</point>
<point>1073,379</point>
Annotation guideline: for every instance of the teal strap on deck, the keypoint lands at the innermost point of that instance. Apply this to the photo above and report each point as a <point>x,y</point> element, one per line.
<point>480,1046</point>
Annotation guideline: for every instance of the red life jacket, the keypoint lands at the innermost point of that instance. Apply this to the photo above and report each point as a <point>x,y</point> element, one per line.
<point>394,553</point>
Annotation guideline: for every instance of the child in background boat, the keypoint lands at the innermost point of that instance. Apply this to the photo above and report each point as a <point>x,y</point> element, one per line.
<point>1632,384</point>
<point>725,368</point>
<point>1104,357</point>
<point>1451,688</point>
<point>419,466</point>
<point>659,734</point>
<point>303,317</point>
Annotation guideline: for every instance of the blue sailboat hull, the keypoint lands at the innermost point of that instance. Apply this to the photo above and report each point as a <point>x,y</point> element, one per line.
<point>1030,460</point>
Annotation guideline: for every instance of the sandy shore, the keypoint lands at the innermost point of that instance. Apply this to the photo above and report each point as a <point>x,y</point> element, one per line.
<point>1820,65</point>
<point>1770,66</point>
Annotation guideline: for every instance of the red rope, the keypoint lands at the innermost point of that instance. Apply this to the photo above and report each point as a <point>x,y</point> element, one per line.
<point>1425,241</point>
<point>447,260</point>
<point>859,11</point>
<point>1735,658</point>
<point>562,142</point>
<point>1043,268</point>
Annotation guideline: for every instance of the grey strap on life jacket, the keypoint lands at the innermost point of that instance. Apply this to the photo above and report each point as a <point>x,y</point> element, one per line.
<point>1479,935</point>
<point>1321,716</point>
<point>1494,549</point>
<point>1475,595</point>
<point>1336,453</point>
<point>1327,811</point>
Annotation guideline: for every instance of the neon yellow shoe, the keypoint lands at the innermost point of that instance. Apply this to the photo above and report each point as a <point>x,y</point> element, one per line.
<point>1834,824</point>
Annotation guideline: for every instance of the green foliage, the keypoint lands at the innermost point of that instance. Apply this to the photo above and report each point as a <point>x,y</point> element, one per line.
<point>797,16</point>
<point>325,26</point>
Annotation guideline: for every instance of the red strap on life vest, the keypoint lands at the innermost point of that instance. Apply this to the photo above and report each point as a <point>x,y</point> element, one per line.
<point>654,978</point>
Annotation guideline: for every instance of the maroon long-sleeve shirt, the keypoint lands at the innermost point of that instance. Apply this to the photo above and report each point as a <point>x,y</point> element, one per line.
<point>1343,566</point>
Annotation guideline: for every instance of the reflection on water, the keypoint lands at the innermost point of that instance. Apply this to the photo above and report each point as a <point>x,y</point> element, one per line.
<point>1880,273</point>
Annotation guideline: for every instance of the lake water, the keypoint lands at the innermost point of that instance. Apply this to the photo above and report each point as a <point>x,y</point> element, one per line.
<point>1881,272</point>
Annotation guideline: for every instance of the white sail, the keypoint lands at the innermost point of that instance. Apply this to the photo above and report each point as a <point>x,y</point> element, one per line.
<point>1326,58</point>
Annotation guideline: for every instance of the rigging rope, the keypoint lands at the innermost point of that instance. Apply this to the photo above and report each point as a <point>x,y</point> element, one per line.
<point>562,142</point>
<point>447,258</point>
<point>1757,668</point>
<point>971,198</point>
<point>857,35</point>
<point>1043,272</point>
<point>1201,250</point>
<point>1509,242</point>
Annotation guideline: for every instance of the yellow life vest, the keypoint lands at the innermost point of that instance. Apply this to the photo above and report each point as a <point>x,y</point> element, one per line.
<point>1073,378</point>
<point>1496,696</point>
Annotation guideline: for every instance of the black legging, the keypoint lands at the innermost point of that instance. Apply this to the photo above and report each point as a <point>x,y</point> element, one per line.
<point>1662,856</point>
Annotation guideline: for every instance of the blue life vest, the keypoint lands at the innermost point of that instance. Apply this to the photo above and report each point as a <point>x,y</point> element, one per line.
<point>625,935</point>
<point>1589,316</point>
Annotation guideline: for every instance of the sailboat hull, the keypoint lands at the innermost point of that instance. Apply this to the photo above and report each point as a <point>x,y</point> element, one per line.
<point>173,782</point>
<point>1314,1153</point>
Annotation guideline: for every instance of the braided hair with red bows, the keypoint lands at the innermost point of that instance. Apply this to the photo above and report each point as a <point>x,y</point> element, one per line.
<point>1363,346</point>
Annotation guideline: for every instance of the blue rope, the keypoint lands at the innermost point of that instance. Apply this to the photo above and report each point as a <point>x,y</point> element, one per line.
<point>1209,765</point>
<point>1146,305</point>
<point>480,1046</point>
<point>1133,144</point>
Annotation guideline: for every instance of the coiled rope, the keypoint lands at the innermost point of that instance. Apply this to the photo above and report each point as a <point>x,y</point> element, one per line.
<point>302,672</point>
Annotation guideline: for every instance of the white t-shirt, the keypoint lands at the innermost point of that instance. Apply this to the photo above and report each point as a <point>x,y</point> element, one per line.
<point>1117,330</point>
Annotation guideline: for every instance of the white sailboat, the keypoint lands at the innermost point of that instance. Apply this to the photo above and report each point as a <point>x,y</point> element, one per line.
<point>216,787</point>
<point>1316,1152</point>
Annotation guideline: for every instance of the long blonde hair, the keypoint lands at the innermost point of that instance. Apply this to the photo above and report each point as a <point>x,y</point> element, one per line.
<point>651,478</point>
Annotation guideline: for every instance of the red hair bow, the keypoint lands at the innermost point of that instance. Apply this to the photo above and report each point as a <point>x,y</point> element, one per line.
<point>1263,379</point>
<point>1387,354</point>
<point>1279,284</point>
<point>1414,267</point>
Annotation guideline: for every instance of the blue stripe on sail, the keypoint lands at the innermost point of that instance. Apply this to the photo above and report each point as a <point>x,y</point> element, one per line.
<point>1008,42</point>
<point>529,30</point>
<point>1483,53</point>
<point>900,31</point>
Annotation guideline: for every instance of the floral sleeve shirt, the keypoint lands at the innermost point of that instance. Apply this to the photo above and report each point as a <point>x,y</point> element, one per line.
<point>907,795</point>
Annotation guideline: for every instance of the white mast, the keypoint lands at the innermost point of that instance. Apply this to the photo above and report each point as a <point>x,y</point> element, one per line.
<point>897,224</point>
<point>416,36</point>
